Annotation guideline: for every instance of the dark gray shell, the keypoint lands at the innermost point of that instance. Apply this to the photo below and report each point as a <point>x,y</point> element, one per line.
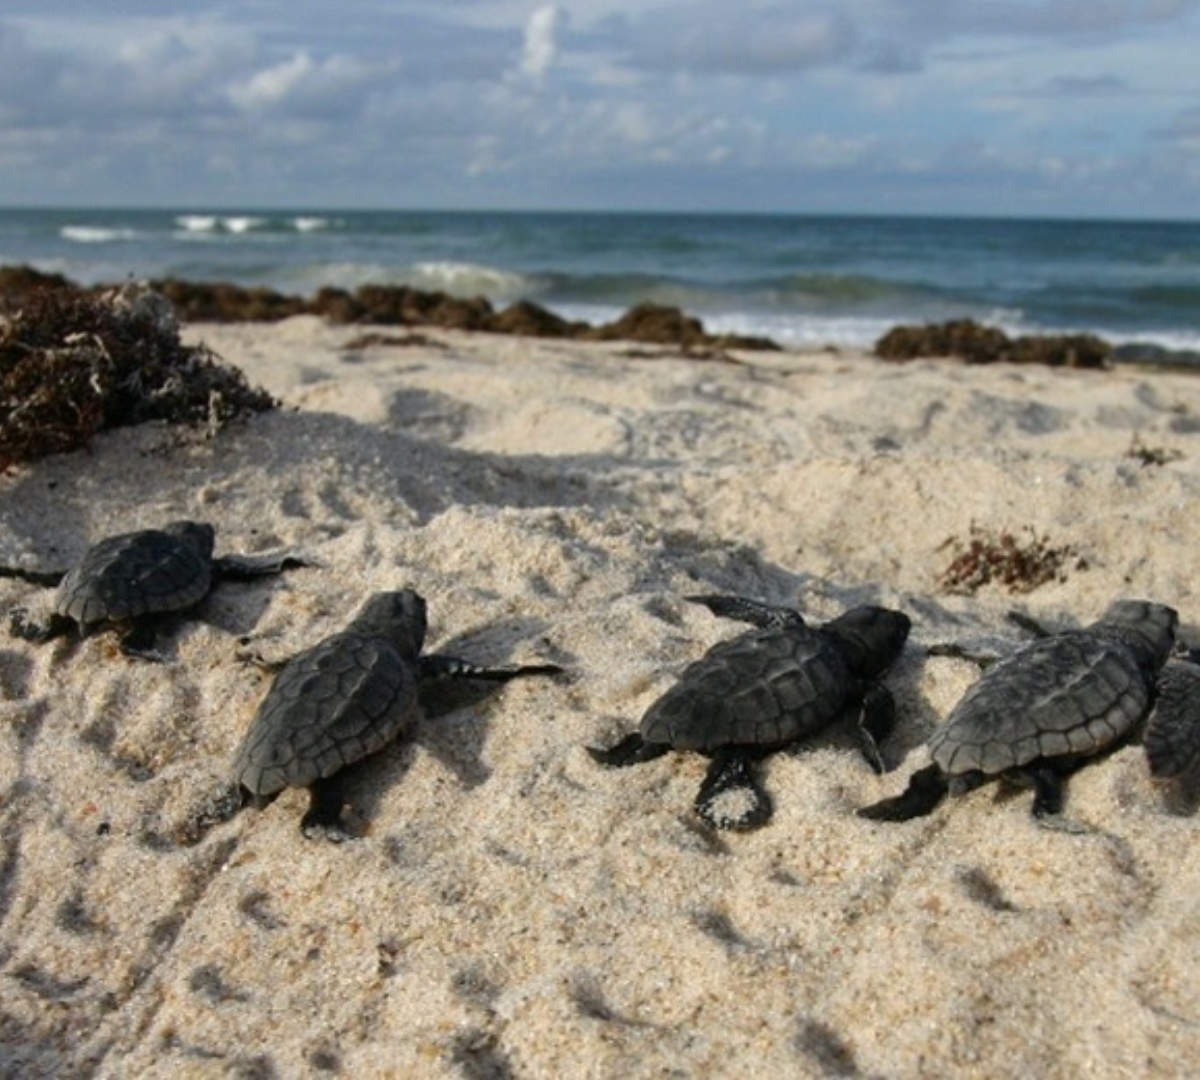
<point>328,707</point>
<point>765,688</point>
<point>139,573</point>
<point>1172,741</point>
<point>1071,694</point>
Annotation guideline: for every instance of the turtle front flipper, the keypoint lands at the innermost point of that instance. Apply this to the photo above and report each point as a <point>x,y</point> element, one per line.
<point>245,567</point>
<point>46,578</point>
<point>138,640</point>
<point>875,721</point>
<point>731,795</point>
<point>323,819</point>
<point>447,667</point>
<point>1048,791</point>
<point>926,788</point>
<point>745,610</point>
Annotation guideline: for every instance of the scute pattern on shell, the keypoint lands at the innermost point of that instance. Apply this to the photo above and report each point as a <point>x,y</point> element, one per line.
<point>328,707</point>
<point>764,688</point>
<point>1074,693</point>
<point>141,573</point>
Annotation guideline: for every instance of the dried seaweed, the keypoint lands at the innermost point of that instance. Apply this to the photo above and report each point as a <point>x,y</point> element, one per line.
<point>75,362</point>
<point>1020,565</point>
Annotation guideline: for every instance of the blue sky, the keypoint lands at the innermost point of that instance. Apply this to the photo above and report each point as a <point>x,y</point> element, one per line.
<point>1070,107</point>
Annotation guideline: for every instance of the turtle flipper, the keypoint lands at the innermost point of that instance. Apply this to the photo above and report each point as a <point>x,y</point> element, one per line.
<point>926,788</point>
<point>1048,791</point>
<point>748,611</point>
<point>138,641</point>
<point>245,567</point>
<point>875,721</point>
<point>731,795</point>
<point>323,819</point>
<point>45,578</point>
<point>23,625</point>
<point>436,666</point>
<point>631,750</point>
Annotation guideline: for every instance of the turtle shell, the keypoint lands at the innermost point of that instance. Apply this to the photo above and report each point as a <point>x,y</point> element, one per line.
<point>139,573</point>
<point>329,706</point>
<point>1071,694</point>
<point>764,688</point>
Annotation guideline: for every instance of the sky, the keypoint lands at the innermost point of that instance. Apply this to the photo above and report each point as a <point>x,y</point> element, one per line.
<point>1010,107</point>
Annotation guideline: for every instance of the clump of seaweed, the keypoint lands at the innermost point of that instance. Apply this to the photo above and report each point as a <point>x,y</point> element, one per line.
<point>977,344</point>
<point>75,362</point>
<point>1151,455</point>
<point>1003,558</point>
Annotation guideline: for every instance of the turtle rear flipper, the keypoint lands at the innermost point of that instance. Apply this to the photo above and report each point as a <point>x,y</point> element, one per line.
<point>748,611</point>
<point>24,625</point>
<point>631,750</point>
<point>926,788</point>
<point>731,795</point>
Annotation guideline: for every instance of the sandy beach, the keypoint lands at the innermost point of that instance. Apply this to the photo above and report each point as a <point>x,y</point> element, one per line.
<point>510,909</point>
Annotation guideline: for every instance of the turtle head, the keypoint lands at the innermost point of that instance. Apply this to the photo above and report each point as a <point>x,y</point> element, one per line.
<point>870,637</point>
<point>1146,627</point>
<point>398,616</point>
<point>198,535</point>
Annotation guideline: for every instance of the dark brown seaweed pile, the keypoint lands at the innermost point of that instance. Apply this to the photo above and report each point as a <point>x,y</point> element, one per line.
<point>975,344</point>
<point>989,557</point>
<point>74,362</point>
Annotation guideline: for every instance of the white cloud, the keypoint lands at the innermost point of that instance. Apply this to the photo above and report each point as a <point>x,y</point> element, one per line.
<point>541,44</point>
<point>273,85</point>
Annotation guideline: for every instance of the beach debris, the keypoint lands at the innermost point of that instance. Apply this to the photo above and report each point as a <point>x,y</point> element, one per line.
<point>129,580</point>
<point>75,362</point>
<point>344,699</point>
<point>1172,739</point>
<point>768,688</point>
<point>977,344</point>
<point>1000,557</point>
<point>1041,713</point>
<point>1151,455</point>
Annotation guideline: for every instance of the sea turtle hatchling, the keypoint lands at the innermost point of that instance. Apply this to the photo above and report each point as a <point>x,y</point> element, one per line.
<point>129,579</point>
<point>343,699</point>
<point>1039,714</point>
<point>765,689</point>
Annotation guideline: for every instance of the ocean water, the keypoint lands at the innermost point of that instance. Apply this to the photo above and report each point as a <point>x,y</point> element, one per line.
<point>797,279</point>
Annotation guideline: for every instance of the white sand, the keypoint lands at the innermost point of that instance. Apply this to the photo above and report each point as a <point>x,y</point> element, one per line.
<point>513,909</point>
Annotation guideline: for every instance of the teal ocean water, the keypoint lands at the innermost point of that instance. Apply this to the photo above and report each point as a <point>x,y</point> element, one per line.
<point>798,279</point>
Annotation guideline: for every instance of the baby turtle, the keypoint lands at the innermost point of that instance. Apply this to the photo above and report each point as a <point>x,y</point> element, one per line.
<point>766,689</point>
<point>1172,739</point>
<point>128,580</point>
<point>1038,715</point>
<point>343,699</point>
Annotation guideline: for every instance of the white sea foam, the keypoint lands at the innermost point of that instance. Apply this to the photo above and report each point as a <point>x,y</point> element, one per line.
<point>310,224</point>
<point>467,279</point>
<point>95,234</point>
<point>242,224</point>
<point>197,222</point>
